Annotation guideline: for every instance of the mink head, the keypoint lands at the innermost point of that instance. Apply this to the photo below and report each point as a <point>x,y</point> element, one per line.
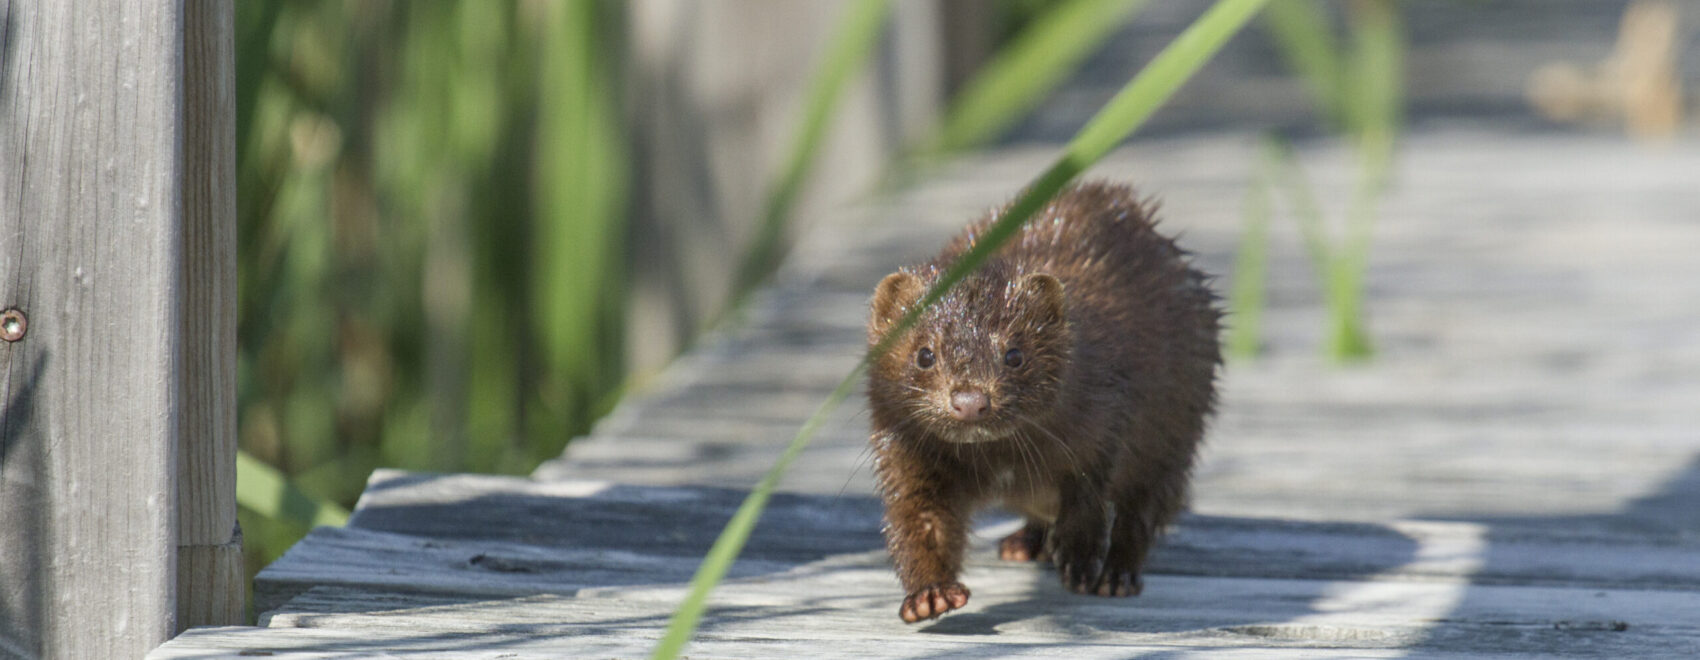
<point>981,362</point>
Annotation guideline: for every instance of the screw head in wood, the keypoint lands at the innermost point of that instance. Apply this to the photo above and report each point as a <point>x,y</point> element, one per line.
<point>13,324</point>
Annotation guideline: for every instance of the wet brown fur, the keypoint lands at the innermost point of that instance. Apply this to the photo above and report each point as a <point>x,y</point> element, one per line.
<point>1092,437</point>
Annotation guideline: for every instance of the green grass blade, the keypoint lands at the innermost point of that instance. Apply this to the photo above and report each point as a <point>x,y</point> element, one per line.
<point>737,530</point>
<point>1339,268</point>
<point>264,490</point>
<point>1347,340</point>
<point>578,236</point>
<point>1152,87</point>
<point>1307,211</point>
<point>1377,79</point>
<point>1020,75</point>
<point>849,50</point>
<point>1251,265</point>
<point>1109,127</point>
<point>1306,41</point>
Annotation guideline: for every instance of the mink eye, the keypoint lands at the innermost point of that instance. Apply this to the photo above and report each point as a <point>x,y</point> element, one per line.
<point>1013,358</point>
<point>924,358</point>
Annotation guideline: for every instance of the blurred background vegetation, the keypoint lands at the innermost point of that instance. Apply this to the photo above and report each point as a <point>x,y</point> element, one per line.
<point>456,217</point>
<point>434,235</point>
<point>402,300</point>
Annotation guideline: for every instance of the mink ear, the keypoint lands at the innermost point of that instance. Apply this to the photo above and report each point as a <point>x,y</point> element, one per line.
<point>892,298</point>
<point>1045,294</point>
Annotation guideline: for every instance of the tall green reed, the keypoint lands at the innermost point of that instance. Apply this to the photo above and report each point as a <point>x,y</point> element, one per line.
<point>1017,78</point>
<point>1020,74</point>
<point>1360,93</point>
<point>430,205</point>
<point>1247,293</point>
<point>1119,118</point>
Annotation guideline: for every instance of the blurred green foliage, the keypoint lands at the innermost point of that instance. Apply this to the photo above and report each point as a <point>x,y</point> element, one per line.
<point>853,40</point>
<point>431,200</point>
<point>1359,90</point>
<point>1021,74</point>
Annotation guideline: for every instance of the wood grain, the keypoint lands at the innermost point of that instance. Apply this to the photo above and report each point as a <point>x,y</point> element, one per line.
<point>94,190</point>
<point>210,589</point>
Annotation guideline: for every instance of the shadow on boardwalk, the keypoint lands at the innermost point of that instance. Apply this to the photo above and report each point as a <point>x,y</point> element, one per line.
<point>1596,559</point>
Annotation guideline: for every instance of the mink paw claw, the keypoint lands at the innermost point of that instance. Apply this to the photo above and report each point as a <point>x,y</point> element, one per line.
<point>933,600</point>
<point>1120,584</point>
<point>1081,577</point>
<point>1096,581</point>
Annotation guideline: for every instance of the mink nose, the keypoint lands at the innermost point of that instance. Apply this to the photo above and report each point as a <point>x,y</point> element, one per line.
<point>969,405</point>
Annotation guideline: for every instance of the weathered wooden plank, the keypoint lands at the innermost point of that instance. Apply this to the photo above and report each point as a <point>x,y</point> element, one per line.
<point>468,554</point>
<point>820,607</point>
<point>517,538</point>
<point>586,567</point>
<point>613,629</point>
<point>101,199</point>
<point>446,519</point>
<point>325,644</point>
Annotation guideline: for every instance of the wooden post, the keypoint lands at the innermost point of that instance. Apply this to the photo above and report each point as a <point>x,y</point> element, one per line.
<point>210,589</point>
<point>117,236</point>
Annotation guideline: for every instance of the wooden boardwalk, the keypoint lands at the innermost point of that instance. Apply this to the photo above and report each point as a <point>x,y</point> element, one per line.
<point>1516,475</point>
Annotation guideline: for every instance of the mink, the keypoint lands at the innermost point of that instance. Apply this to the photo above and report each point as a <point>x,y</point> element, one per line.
<point>1068,379</point>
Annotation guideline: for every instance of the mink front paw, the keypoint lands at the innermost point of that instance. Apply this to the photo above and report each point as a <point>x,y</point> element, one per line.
<point>932,600</point>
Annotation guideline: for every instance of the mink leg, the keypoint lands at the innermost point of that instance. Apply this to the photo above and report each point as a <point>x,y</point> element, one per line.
<point>1130,539</point>
<point>1025,544</point>
<point>1080,538</point>
<point>927,544</point>
<point>926,531</point>
<point>1141,513</point>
